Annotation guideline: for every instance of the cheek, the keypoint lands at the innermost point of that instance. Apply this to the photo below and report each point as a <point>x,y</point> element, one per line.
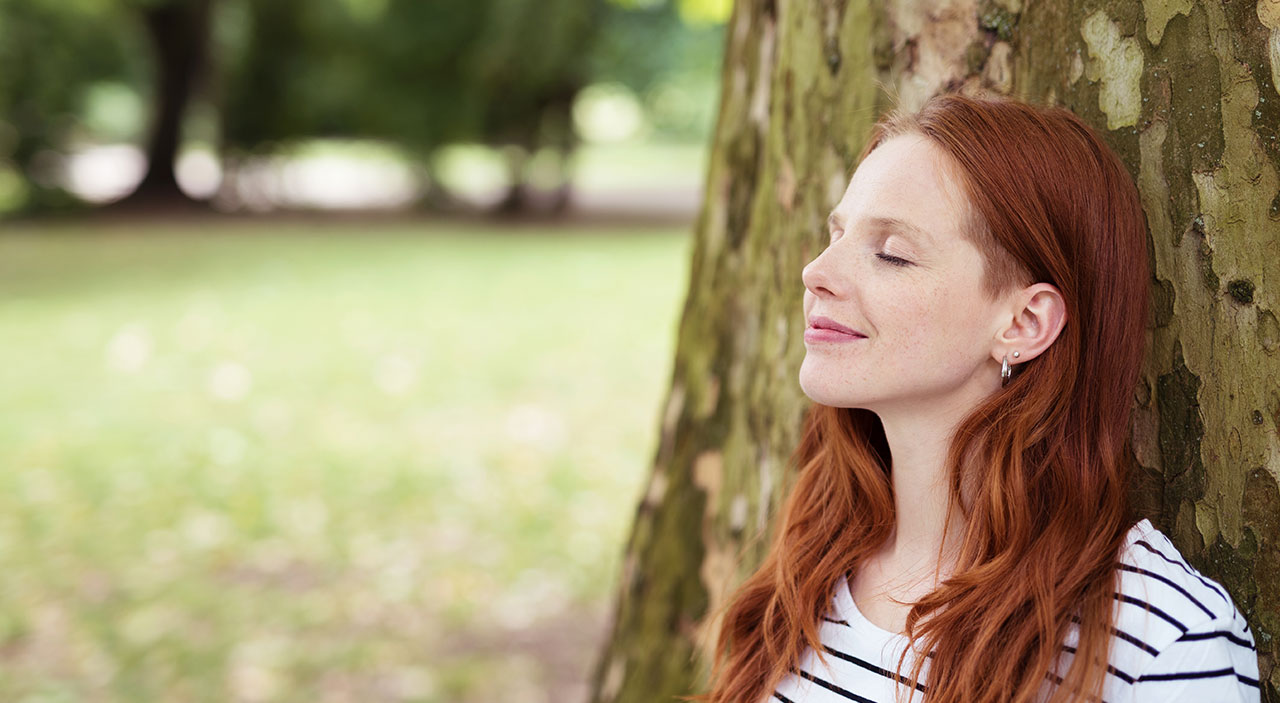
<point>909,313</point>
<point>934,324</point>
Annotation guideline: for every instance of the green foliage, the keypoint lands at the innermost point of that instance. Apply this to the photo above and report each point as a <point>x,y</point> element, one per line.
<point>674,66</point>
<point>53,54</point>
<point>699,12</point>
<point>529,67</point>
<point>301,72</point>
<point>422,74</point>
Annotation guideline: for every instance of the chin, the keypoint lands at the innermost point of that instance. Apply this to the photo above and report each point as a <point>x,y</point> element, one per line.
<point>833,390</point>
<point>821,391</point>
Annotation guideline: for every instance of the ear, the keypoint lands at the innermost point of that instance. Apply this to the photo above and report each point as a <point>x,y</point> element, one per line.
<point>1038,314</point>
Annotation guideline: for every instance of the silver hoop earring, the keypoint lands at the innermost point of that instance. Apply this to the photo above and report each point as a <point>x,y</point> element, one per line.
<point>1004,370</point>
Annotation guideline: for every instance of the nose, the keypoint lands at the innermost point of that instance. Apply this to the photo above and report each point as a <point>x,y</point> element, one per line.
<point>818,278</point>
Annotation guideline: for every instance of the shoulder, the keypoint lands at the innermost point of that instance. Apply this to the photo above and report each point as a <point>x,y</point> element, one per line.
<point>1176,624</point>
<point>1154,573</point>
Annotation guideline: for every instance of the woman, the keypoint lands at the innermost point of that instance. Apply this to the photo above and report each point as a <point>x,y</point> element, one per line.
<point>976,328</point>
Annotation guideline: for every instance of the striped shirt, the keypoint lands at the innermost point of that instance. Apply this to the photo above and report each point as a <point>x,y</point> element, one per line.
<point>1191,645</point>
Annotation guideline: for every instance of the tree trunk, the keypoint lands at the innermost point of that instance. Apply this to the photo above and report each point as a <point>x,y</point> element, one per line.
<point>1184,91</point>
<point>179,32</point>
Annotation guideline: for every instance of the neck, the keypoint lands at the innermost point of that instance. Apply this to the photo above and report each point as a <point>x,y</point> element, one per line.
<point>919,439</point>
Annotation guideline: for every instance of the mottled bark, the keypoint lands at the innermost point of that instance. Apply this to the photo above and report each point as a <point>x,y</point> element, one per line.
<point>1186,93</point>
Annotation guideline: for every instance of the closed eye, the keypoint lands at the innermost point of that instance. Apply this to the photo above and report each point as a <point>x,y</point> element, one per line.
<point>892,260</point>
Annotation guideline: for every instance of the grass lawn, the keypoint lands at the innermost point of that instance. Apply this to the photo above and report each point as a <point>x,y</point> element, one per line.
<point>336,462</point>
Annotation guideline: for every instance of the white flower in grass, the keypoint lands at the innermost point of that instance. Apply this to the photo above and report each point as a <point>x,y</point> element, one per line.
<point>227,446</point>
<point>196,328</point>
<point>149,624</point>
<point>252,683</point>
<point>253,670</point>
<point>38,485</point>
<point>272,555</point>
<point>230,381</point>
<point>395,374</point>
<point>129,349</point>
<point>303,516</point>
<point>204,529</point>
<point>536,425</point>
<point>413,683</point>
<point>273,417</point>
<point>160,547</point>
<point>535,593</point>
<point>100,669</point>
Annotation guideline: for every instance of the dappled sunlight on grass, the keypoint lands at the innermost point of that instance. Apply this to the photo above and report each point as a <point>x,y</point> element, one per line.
<point>304,463</point>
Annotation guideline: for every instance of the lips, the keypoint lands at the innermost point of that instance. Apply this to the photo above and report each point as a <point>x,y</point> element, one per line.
<point>826,323</point>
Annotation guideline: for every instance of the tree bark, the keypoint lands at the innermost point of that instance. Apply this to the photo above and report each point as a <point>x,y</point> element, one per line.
<point>1184,91</point>
<point>179,32</point>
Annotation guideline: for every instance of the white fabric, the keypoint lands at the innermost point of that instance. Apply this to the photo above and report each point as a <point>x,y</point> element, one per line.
<point>1192,646</point>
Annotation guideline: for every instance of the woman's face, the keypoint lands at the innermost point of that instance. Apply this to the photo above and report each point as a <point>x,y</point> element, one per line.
<point>899,271</point>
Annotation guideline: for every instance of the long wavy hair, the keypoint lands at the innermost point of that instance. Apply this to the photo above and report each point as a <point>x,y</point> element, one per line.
<point>1039,469</point>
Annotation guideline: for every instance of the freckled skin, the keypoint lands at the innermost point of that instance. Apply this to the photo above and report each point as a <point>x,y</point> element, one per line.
<point>931,328</point>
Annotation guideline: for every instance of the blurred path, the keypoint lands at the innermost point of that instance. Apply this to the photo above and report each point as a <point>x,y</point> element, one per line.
<point>634,184</point>
<point>670,204</point>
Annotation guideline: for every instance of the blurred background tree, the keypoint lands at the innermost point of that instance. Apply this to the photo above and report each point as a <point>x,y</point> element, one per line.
<point>246,80</point>
<point>179,33</point>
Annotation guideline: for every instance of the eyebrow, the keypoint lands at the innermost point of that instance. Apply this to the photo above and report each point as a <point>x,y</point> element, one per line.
<point>834,221</point>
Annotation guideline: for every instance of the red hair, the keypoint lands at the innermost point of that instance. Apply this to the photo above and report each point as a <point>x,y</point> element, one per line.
<point>1043,462</point>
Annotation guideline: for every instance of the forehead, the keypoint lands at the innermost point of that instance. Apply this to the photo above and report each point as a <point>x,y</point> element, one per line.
<point>906,183</point>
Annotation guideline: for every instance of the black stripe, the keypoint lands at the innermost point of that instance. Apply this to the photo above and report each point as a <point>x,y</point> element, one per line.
<point>1110,669</point>
<point>1179,589</point>
<point>1058,680</point>
<point>838,622</point>
<point>1150,608</point>
<point>1203,675</point>
<point>1134,641</point>
<point>1207,584</point>
<point>1126,637</point>
<point>834,688</point>
<point>1226,634</point>
<point>782,698</point>
<point>1191,675</point>
<point>1247,681</point>
<point>873,668</point>
<point>1119,675</point>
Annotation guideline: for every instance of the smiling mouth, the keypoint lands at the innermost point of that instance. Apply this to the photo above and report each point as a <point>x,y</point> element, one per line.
<point>825,334</point>
<point>819,322</point>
